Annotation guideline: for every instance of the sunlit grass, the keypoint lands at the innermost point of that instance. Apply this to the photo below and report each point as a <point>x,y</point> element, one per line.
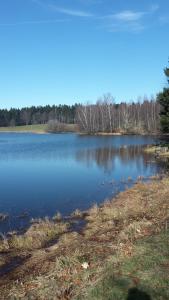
<point>38,235</point>
<point>38,128</point>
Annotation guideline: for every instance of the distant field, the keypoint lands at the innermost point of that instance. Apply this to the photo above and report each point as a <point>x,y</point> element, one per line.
<point>38,128</point>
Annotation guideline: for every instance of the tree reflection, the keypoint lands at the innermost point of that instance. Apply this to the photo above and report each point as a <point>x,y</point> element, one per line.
<point>106,157</point>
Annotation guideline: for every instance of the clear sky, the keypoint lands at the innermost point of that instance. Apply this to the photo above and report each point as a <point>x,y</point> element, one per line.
<point>67,51</point>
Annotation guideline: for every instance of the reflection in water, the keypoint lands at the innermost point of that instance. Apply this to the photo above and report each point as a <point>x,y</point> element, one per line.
<point>106,158</point>
<point>42,174</point>
<point>164,164</point>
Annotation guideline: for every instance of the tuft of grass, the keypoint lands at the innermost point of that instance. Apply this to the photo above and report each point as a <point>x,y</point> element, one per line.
<point>77,214</point>
<point>134,230</point>
<point>38,235</point>
<point>57,217</point>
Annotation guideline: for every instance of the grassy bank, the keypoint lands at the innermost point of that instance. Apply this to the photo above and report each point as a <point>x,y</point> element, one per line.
<point>63,127</point>
<point>38,128</point>
<point>123,249</point>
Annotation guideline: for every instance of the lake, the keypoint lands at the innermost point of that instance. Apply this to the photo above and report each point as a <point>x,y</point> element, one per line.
<point>43,174</point>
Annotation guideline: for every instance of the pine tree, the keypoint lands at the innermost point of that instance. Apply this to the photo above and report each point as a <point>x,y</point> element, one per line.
<point>163,99</point>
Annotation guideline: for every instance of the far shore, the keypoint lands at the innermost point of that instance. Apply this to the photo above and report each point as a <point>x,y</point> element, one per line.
<point>68,128</point>
<point>24,131</point>
<point>38,129</point>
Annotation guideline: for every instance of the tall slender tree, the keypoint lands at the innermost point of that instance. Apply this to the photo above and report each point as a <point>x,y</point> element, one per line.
<point>163,99</point>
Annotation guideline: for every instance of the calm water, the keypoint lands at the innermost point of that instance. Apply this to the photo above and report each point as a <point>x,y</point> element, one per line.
<point>42,174</point>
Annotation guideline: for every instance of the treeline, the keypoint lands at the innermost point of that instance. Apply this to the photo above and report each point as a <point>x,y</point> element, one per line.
<point>106,116</point>
<point>37,115</point>
<point>103,117</point>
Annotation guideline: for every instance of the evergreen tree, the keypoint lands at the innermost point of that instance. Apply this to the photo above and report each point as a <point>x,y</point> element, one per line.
<point>163,99</point>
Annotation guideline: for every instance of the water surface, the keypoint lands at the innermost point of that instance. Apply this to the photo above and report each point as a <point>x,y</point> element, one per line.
<point>42,174</point>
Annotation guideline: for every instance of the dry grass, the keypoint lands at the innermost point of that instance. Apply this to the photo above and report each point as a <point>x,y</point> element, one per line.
<point>56,272</point>
<point>150,149</point>
<point>165,154</point>
<point>57,217</point>
<point>157,149</point>
<point>77,214</point>
<point>39,233</point>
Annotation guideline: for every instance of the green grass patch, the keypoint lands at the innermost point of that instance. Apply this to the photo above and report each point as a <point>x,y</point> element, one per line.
<point>37,128</point>
<point>40,128</point>
<point>145,275</point>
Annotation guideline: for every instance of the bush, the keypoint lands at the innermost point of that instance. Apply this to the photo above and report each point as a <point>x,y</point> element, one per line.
<point>55,126</point>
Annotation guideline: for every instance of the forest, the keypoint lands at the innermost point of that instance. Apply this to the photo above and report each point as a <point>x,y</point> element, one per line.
<point>141,117</point>
<point>37,115</point>
<point>106,116</point>
<point>145,116</point>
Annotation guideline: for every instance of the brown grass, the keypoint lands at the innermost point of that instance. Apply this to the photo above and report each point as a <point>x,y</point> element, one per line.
<point>154,149</point>
<point>56,272</point>
<point>39,233</point>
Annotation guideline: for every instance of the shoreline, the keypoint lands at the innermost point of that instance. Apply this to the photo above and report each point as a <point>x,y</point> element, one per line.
<point>111,230</point>
<point>80,133</point>
<point>37,129</point>
<point>42,129</point>
<point>24,131</point>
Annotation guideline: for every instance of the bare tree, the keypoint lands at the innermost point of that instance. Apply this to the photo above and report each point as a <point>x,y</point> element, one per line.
<point>106,116</point>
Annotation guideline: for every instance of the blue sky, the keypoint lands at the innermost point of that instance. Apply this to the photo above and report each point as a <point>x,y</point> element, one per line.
<point>67,51</point>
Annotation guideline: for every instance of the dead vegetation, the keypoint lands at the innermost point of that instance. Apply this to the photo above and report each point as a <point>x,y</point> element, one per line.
<point>159,151</point>
<point>39,233</point>
<point>57,270</point>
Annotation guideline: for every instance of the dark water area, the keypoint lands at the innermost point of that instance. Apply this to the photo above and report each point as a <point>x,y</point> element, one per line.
<point>43,174</point>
